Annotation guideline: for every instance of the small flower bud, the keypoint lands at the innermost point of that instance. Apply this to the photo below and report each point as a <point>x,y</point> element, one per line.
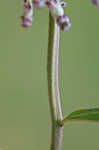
<point>63,22</point>
<point>63,4</point>
<point>38,3</point>
<point>95,2</point>
<point>27,13</point>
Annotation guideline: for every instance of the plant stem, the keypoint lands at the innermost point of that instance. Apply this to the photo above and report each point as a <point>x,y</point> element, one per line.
<point>53,87</point>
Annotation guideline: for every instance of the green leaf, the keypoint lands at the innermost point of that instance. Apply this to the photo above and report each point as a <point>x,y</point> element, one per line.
<point>91,114</point>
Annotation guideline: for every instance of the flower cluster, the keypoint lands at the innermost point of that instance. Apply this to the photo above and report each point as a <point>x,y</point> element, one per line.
<point>55,7</point>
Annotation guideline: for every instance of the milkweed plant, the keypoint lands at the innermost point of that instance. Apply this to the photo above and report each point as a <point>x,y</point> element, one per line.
<point>58,20</point>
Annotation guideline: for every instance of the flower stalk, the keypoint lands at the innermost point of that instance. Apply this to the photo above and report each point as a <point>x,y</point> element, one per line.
<point>53,87</point>
<point>57,20</point>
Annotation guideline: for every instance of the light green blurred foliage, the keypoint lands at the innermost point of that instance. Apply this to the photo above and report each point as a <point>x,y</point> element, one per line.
<point>24,110</point>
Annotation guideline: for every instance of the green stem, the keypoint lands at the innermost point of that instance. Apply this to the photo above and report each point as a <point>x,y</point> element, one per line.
<point>53,87</point>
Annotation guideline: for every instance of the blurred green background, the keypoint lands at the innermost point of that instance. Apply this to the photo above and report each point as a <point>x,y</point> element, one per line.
<point>24,110</point>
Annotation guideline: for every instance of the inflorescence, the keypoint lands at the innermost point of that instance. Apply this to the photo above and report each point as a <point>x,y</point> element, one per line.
<point>55,7</point>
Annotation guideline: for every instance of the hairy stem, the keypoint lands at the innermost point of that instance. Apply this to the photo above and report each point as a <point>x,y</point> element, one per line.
<point>53,87</point>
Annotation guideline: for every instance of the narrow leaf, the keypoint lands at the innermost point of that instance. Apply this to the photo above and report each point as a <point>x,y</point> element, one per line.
<point>91,114</point>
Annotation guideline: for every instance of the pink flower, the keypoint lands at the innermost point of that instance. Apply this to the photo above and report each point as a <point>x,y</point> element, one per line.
<point>95,2</point>
<point>63,22</point>
<point>27,13</point>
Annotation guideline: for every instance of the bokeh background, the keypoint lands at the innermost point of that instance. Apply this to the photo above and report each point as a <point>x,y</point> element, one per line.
<point>24,110</point>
